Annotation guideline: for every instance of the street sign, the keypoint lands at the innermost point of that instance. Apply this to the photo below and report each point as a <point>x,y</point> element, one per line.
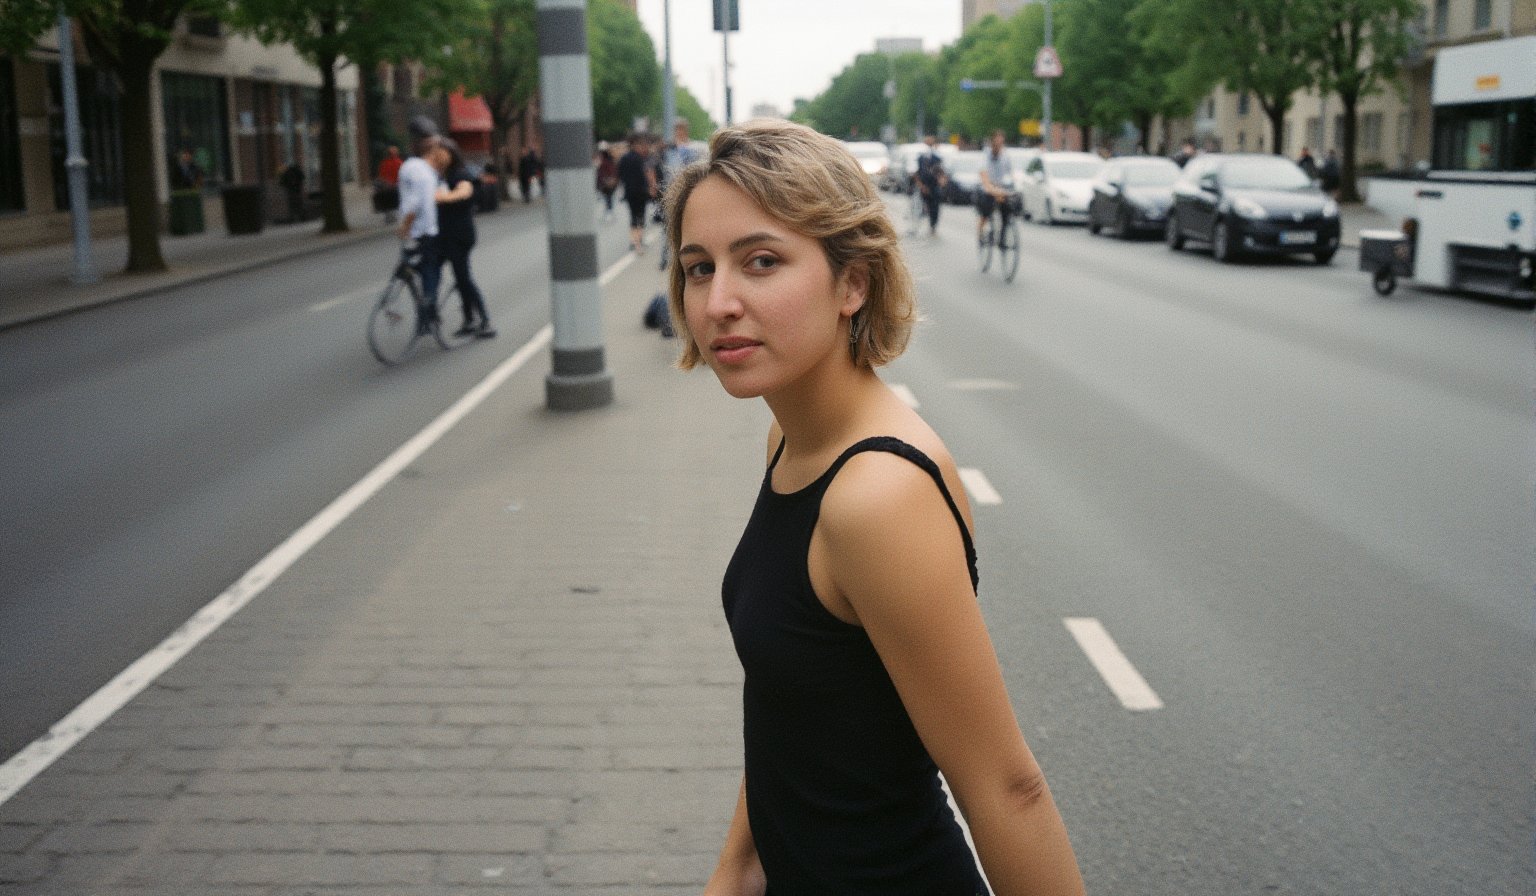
<point>967,84</point>
<point>735,13</point>
<point>1047,63</point>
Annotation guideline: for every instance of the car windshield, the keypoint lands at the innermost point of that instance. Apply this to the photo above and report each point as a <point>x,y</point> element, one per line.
<point>1151,175</point>
<point>1264,174</point>
<point>1072,170</point>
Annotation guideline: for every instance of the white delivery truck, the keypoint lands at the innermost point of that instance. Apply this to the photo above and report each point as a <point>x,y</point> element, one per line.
<point>1473,222</point>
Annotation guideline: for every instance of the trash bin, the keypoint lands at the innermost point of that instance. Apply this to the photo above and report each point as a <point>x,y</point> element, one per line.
<point>243,209</point>
<point>186,212</point>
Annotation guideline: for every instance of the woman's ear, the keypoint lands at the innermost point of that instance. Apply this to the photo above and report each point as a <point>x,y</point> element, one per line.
<point>855,288</point>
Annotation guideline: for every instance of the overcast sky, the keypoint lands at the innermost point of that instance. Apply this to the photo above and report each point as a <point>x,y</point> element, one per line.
<point>788,48</point>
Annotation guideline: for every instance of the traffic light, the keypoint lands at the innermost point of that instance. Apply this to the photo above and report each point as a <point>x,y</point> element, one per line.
<point>734,10</point>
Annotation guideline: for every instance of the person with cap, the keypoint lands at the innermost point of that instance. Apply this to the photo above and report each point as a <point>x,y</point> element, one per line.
<point>418,205</point>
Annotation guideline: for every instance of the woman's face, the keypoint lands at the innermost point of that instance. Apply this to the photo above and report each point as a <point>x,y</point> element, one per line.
<point>760,299</point>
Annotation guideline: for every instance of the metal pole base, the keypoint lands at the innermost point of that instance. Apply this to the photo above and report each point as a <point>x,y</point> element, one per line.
<point>564,392</point>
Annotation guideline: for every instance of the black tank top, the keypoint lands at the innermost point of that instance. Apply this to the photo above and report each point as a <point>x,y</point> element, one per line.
<point>842,797</point>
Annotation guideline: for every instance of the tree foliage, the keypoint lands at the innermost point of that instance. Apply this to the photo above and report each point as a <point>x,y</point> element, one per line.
<point>1120,76</point>
<point>1260,47</point>
<point>626,81</point>
<point>365,32</point>
<point>1363,43</point>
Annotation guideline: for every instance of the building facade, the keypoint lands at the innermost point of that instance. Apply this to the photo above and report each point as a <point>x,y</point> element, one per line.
<point>1393,127</point>
<point>244,112</point>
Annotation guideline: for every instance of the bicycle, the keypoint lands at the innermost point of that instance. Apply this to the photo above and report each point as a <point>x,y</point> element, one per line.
<point>916,213</point>
<point>402,317</point>
<point>1004,237</point>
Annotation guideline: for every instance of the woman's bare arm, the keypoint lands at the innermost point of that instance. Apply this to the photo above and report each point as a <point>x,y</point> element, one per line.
<point>888,550</point>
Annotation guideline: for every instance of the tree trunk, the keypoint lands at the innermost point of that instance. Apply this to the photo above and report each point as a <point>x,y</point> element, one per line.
<point>139,162</point>
<point>335,211</point>
<point>1276,115</point>
<point>1348,189</point>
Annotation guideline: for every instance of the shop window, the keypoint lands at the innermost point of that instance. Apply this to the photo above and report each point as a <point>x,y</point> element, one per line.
<point>11,198</point>
<point>101,127</point>
<point>1442,14</point>
<point>197,121</point>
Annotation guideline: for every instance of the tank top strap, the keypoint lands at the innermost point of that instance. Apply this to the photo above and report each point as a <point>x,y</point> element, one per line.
<point>914,455</point>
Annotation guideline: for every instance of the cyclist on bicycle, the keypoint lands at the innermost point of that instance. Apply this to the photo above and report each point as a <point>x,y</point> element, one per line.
<point>996,185</point>
<point>419,178</point>
<point>929,180</point>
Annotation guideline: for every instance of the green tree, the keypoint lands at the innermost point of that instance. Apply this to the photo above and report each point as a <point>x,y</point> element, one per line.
<point>854,105</point>
<point>626,81</point>
<point>365,32</point>
<point>700,125</point>
<point>1360,52</point>
<point>992,50</point>
<point>1261,47</point>
<point>1121,76</point>
<point>495,56</point>
<point>123,37</point>
<point>919,103</point>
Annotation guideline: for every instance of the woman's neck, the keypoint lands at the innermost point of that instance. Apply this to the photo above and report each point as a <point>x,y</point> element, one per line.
<point>828,414</point>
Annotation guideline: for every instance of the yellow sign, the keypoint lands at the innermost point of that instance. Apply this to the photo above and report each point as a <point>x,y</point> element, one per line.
<point>1487,82</point>
<point>1029,127</point>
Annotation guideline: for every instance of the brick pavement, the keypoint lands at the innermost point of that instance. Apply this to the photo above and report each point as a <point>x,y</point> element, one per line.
<point>507,672</point>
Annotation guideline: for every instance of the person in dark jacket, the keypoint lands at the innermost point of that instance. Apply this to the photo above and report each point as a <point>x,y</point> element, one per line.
<point>639,180</point>
<point>529,167</point>
<point>456,236</point>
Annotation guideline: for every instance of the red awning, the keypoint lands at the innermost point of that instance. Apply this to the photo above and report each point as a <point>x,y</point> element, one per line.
<point>468,114</point>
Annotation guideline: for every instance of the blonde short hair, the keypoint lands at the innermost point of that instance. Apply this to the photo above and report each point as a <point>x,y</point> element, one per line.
<point>814,186</point>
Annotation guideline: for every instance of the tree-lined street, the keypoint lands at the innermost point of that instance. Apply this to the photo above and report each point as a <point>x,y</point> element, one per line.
<point>1300,510</point>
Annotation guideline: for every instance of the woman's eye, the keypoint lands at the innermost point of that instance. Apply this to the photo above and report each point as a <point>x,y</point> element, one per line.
<point>699,269</point>
<point>762,262</point>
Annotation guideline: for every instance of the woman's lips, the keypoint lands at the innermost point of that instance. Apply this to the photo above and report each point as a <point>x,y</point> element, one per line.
<point>733,349</point>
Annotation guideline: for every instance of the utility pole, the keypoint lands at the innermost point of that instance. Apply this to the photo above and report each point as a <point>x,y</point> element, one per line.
<point>75,161</point>
<point>1045,95</point>
<point>579,378</point>
<point>727,19</point>
<point>668,85</point>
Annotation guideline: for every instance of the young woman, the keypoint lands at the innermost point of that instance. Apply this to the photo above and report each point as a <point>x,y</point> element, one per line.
<point>456,236</point>
<point>851,596</point>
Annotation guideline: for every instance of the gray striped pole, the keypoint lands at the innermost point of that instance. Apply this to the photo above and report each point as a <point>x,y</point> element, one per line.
<point>579,378</point>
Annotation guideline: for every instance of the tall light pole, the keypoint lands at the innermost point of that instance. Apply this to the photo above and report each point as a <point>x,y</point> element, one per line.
<point>1045,95</point>
<point>668,85</point>
<point>74,161</point>
<point>727,19</point>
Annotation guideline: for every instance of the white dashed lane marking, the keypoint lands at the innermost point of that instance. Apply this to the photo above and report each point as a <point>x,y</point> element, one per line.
<point>1132,690</point>
<point>980,489</point>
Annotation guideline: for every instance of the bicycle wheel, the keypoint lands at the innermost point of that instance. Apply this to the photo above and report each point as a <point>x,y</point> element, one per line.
<point>449,330</point>
<point>984,244</point>
<point>1009,247</point>
<point>393,329</point>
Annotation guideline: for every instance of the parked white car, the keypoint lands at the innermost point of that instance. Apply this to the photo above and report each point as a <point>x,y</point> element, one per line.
<point>1058,186</point>
<point>873,157</point>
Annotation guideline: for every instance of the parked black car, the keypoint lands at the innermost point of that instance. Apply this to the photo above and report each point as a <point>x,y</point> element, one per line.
<point>1132,194</point>
<point>1252,204</point>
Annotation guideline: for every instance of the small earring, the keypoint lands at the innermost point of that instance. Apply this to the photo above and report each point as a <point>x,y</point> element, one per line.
<point>853,330</point>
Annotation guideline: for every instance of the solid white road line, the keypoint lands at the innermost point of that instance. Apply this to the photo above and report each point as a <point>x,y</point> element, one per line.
<point>905,394</point>
<point>21,768</point>
<point>981,490</point>
<point>1117,671</point>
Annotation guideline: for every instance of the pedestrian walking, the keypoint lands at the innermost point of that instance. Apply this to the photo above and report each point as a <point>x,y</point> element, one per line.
<point>1307,163</point>
<point>529,168</point>
<point>607,177</point>
<point>639,180</point>
<point>851,596</point>
<point>929,180</point>
<point>292,181</point>
<point>1328,176</point>
<point>456,235</point>
<point>386,183</point>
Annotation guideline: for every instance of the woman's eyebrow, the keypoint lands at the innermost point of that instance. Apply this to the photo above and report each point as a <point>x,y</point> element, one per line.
<point>736,245</point>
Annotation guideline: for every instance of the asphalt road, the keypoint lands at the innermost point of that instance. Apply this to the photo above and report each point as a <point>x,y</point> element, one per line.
<point>1302,512</point>
<point>154,450</point>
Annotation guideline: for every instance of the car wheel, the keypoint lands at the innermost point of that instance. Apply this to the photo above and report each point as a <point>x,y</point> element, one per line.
<point>1221,242</point>
<point>1325,256</point>
<point>1171,234</point>
<point>1123,223</point>
<point>1050,217</point>
<point>1093,223</point>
